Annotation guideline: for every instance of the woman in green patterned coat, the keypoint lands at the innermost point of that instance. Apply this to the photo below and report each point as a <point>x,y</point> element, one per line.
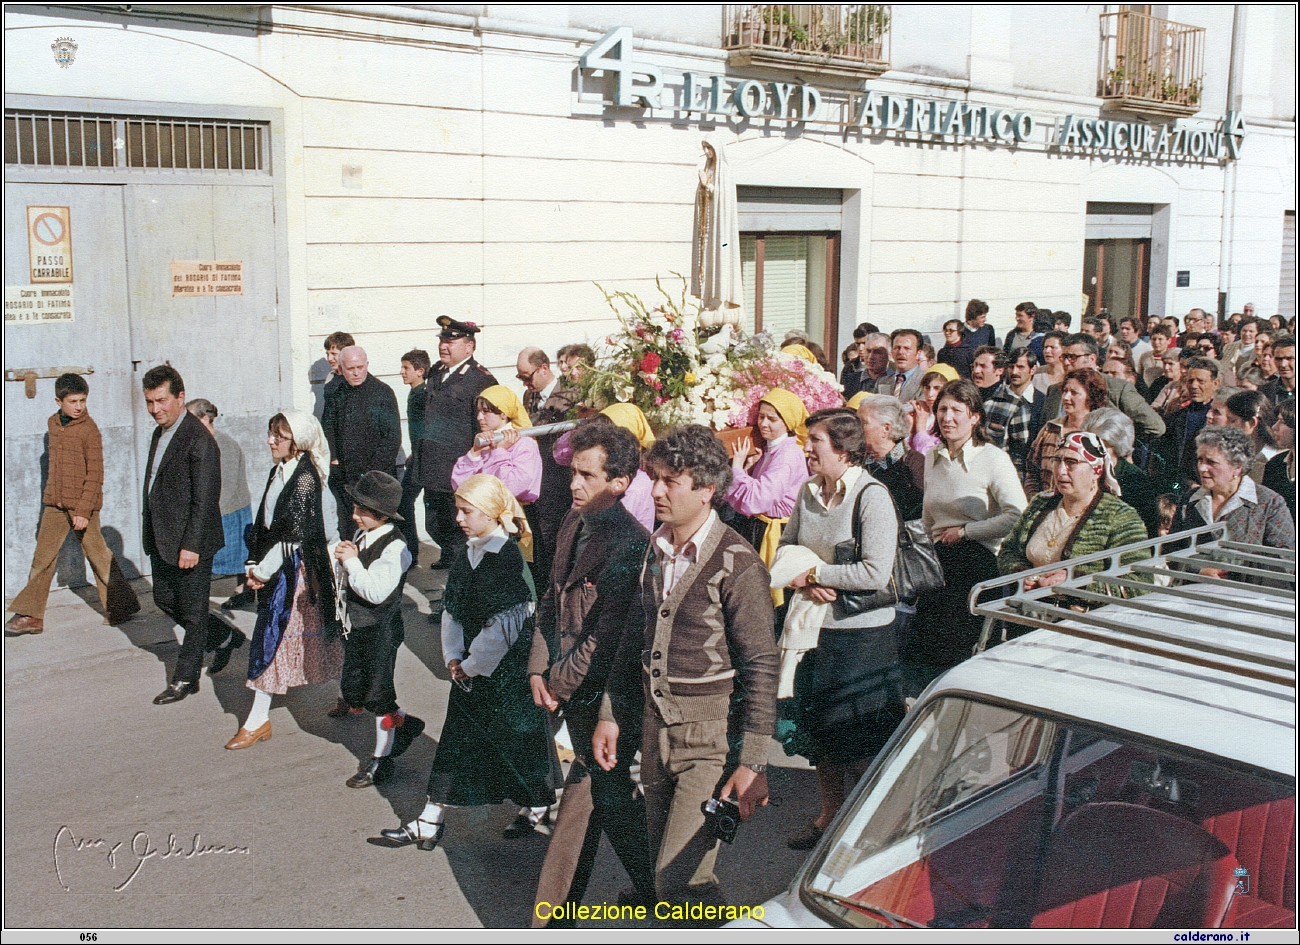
<point>1084,515</point>
<point>496,743</point>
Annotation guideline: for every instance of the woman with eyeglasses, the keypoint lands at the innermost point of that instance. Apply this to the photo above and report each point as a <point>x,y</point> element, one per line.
<point>1082,515</point>
<point>955,352</point>
<point>295,641</point>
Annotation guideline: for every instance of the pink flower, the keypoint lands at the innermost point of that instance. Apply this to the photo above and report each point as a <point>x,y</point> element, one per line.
<point>650,363</point>
<point>677,336</point>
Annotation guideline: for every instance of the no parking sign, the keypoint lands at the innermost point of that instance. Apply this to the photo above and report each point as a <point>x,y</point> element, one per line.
<point>49,244</point>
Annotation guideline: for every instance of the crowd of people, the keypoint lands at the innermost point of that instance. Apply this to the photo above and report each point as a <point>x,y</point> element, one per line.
<point>656,592</point>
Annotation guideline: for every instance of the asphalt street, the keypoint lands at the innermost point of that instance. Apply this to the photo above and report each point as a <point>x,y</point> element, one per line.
<point>122,814</point>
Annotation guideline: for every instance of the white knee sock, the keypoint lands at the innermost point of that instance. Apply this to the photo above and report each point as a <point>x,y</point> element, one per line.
<point>383,737</point>
<point>261,711</point>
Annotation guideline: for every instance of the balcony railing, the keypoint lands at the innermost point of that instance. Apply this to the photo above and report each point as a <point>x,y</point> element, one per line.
<point>845,38</point>
<point>1151,65</point>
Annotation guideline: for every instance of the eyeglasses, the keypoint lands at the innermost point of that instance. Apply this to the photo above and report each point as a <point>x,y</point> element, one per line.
<point>1069,462</point>
<point>274,438</point>
<point>527,378</point>
<point>1072,356</point>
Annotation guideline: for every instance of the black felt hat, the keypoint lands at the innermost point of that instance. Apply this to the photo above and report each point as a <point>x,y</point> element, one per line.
<point>378,492</point>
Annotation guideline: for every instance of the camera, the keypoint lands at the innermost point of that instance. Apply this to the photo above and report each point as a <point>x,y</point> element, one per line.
<point>724,816</point>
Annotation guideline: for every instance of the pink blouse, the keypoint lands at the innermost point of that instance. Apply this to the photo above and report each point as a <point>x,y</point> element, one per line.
<point>637,500</point>
<point>519,467</point>
<point>771,488</point>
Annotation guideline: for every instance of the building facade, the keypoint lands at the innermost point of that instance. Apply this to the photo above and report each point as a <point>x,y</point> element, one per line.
<point>222,187</point>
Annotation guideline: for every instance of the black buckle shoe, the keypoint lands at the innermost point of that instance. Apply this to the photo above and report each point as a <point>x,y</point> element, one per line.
<point>407,732</point>
<point>405,836</point>
<point>372,772</point>
<point>240,599</point>
<point>176,692</point>
<point>221,656</point>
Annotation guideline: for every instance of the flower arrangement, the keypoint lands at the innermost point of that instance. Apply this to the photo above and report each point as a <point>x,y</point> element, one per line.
<point>818,389</point>
<point>661,361</point>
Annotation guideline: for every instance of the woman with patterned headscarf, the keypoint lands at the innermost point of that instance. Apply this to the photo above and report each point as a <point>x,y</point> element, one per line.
<point>295,641</point>
<point>513,459</point>
<point>765,486</point>
<point>1084,515</point>
<point>495,743</point>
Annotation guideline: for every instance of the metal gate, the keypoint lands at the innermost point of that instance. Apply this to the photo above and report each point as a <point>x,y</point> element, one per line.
<point>128,225</point>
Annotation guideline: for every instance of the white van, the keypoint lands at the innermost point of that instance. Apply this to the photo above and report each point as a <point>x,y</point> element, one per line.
<point>1133,766</point>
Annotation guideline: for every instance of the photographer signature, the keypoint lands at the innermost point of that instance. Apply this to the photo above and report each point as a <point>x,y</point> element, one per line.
<point>130,856</point>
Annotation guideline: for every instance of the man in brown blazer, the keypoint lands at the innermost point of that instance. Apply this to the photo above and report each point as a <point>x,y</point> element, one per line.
<point>592,591</point>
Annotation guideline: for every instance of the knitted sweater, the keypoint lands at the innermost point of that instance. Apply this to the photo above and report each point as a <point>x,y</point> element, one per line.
<point>710,638</point>
<point>978,490</point>
<point>819,529</point>
<point>76,480</point>
<point>1110,523</point>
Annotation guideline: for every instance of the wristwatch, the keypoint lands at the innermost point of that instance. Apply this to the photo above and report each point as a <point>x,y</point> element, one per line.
<point>812,575</point>
<point>757,769</point>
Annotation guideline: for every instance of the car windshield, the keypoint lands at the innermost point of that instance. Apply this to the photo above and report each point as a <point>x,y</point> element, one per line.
<point>987,816</point>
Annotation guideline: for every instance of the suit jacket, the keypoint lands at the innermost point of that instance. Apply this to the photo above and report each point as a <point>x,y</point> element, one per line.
<point>1146,422</point>
<point>911,389</point>
<point>1177,452</point>
<point>588,602</point>
<point>182,504</point>
<point>555,498</point>
<point>363,428</point>
<point>449,420</point>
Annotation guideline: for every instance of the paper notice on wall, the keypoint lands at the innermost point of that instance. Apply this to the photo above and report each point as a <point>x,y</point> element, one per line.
<point>207,277</point>
<point>37,304</point>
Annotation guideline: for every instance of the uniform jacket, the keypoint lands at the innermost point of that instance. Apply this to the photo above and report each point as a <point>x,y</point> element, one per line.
<point>587,601</point>
<point>363,428</point>
<point>182,506</point>
<point>449,420</point>
<point>76,478</point>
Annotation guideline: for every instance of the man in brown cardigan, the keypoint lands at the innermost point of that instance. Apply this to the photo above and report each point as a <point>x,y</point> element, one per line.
<point>707,637</point>
<point>593,586</point>
<point>74,494</point>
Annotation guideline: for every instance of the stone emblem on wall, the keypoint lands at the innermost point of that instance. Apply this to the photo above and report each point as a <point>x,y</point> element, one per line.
<point>65,51</point>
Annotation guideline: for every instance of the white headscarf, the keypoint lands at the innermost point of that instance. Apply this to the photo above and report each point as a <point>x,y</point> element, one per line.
<point>309,438</point>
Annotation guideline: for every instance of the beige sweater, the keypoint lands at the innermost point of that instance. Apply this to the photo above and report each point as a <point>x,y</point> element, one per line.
<point>978,489</point>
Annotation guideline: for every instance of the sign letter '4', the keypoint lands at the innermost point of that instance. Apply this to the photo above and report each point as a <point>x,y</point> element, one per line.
<point>613,54</point>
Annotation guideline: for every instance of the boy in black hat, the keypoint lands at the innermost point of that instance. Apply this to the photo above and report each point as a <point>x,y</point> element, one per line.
<point>371,572</point>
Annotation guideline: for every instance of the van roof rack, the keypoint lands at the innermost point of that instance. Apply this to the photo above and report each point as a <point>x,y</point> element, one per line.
<point>1240,618</point>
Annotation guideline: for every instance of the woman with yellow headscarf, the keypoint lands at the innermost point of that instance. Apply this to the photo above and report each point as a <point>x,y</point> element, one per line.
<point>499,450</point>
<point>495,744</point>
<point>637,500</point>
<point>765,486</point>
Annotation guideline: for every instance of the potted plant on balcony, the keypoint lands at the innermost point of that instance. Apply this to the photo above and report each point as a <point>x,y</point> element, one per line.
<point>866,25</point>
<point>783,30</point>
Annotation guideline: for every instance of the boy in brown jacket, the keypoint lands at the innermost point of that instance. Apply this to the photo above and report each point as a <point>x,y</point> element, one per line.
<point>74,494</point>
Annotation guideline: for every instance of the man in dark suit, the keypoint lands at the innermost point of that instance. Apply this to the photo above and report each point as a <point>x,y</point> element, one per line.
<point>363,428</point>
<point>591,593</point>
<point>450,423</point>
<point>182,521</point>
<point>547,400</point>
<point>1177,448</point>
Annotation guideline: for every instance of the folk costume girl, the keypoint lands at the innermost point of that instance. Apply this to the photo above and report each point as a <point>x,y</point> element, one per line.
<point>495,744</point>
<point>766,487</point>
<point>295,641</point>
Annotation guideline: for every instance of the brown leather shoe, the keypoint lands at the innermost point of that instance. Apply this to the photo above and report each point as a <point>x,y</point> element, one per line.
<point>244,738</point>
<point>21,625</point>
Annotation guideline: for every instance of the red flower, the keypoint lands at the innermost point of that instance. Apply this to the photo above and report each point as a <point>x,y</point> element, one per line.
<point>650,363</point>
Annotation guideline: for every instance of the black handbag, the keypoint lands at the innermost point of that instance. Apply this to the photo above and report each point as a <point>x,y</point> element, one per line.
<point>916,566</point>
